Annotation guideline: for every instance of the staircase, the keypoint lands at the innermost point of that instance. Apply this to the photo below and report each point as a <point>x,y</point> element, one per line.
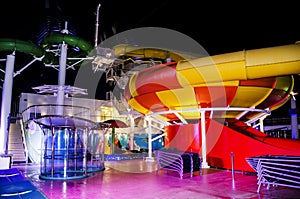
<point>16,143</point>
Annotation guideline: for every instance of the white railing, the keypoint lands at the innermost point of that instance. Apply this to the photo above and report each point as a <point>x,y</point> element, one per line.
<point>178,161</point>
<point>277,171</point>
<point>51,109</point>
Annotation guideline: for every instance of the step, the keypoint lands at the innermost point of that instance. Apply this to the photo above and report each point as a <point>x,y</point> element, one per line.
<point>15,139</point>
<point>16,151</point>
<point>15,128</point>
<point>21,149</point>
<point>19,156</point>
<point>16,145</point>
<point>14,133</point>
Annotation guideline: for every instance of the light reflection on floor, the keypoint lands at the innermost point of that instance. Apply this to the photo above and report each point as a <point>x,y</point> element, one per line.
<point>138,179</point>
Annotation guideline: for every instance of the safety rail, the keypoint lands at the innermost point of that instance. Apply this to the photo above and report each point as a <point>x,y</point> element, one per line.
<point>37,111</point>
<point>277,171</point>
<point>178,161</point>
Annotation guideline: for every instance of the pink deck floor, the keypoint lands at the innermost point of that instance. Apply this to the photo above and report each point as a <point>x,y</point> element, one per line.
<point>134,179</point>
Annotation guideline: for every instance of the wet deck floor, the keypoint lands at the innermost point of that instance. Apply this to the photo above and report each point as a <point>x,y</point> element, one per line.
<point>138,179</point>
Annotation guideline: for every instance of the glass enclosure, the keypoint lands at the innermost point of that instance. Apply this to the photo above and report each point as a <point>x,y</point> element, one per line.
<point>66,151</point>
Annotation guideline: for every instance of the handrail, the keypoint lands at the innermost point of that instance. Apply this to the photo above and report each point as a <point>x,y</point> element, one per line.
<point>50,109</point>
<point>24,140</point>
<point>174,161</point>
<point>277,170</point>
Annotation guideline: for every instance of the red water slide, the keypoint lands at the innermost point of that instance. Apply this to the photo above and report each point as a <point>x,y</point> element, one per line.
<point>222,140</point>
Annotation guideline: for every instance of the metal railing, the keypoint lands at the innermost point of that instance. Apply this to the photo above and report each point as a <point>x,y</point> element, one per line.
<point>178,161</point>
<point>36,111</point>
<point>277,171</point>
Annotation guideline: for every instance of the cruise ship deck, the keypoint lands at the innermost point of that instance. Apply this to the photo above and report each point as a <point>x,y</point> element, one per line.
<point>138,178</point>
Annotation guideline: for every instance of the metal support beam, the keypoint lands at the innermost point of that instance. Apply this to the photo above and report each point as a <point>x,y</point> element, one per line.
<point>181,118</point>
<point>131,134</point>
<point>6,102</point>
<point>149,158</point>
<point>203,139</point>
<point>61,78</point>
<point>159,136</point>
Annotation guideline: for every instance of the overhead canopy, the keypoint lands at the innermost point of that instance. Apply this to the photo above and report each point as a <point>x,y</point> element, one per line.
<point>116,123</point>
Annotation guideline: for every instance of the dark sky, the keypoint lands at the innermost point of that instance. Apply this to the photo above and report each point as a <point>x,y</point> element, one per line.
<point>219,26</point>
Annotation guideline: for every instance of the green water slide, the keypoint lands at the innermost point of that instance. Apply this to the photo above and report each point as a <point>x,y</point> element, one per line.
<point>27,47</point>
<point>47,54</point>
<point>56,38</point>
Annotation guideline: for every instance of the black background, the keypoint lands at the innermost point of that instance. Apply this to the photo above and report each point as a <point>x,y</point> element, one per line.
<point>220,27</point>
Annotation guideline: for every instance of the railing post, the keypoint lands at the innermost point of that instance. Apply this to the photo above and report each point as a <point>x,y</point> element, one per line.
<point>232,170</point>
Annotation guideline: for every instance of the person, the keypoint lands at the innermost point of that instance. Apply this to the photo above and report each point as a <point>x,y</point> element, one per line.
<point>118,146</point>
<point>117,143</point>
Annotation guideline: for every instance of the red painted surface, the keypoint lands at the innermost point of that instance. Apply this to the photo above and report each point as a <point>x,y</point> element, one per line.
<point>242,140</point>
<point>215,96</point>
<point>183,137</point>
<point>269,82</point>
<point>151,102</point>
<point>157,78</point>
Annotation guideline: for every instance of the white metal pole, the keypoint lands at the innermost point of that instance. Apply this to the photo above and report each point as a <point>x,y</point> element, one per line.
<point>97,25</point>
<point>61,78</point>
<point>102,151</point>
<point>203,139</point>
<point>149,158</point>
<point>6,102</point>
<point>261,124</point>
<point>294,118</point>
<point>232,170</point>
<point>131,134</point>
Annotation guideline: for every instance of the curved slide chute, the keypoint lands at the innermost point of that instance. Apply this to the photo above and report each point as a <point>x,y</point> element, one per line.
<point>76,42</point>
<point>57,38</point>
<point>42,54</point>
<point>238,138</point>
<point>242,79</point>
<point>8,44</point>
<point>259,78</point>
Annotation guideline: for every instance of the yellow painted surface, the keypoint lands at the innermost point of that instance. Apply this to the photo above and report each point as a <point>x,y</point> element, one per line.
<point>228,69</point>
<point>178,99</point>
<point>133,103</point>
<point>132,86</point>
<point>250,96</point>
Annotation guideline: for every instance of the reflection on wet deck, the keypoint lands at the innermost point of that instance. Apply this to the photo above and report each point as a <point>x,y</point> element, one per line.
<point>138,179</point>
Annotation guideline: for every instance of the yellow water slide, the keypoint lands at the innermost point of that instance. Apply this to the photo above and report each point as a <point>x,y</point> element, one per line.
<point>243,65</point>
<point>259,78</point>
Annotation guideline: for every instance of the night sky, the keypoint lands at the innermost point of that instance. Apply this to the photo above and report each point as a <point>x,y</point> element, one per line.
<point>220,27</point>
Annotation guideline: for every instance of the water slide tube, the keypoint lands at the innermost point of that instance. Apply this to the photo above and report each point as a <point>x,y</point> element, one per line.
<point>148,53</point>
<point>222,140</point>
<point>259,78</point>
<point>241,79</point>
<point>7,44</point>
<point>53,38</point>
<point>30,48</point>
<point>57,38</point>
